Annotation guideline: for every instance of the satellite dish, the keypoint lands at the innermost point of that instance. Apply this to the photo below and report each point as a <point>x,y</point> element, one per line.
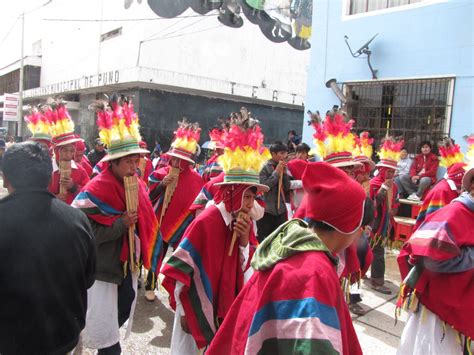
<point>363,50</point>
<point>365,47</point>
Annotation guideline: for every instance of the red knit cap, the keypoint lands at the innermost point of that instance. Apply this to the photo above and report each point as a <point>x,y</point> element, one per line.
<point>333,197</point>
<point>456,173</point>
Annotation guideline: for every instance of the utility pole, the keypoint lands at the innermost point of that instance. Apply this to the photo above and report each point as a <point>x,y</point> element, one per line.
<point>20,89</point>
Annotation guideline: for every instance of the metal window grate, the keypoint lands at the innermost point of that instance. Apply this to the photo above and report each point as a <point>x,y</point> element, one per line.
<point>417,110</point>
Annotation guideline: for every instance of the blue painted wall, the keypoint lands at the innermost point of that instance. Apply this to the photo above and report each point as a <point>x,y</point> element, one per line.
<point>414,41</point>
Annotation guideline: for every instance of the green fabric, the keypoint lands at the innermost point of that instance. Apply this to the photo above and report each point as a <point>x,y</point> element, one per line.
<point>290,238</point>
<point>297,346</point>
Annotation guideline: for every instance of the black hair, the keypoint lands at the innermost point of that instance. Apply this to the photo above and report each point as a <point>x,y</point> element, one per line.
<point>253,189</point>
<point>303,148</point>
<point>278,146</point>
<point>27,165</point>
<point>367,218</point>
<point>293,132</point>
<point>428,143</point>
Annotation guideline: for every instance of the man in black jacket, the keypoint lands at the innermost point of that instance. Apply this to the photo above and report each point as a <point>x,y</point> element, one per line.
<point>47,259</point>
<point>275,214</point>
<point>97,153</point>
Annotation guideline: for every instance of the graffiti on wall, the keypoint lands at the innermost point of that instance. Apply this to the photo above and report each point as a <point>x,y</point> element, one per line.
<point>279,20</point>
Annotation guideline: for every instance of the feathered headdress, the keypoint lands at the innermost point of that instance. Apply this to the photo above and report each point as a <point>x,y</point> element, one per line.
<point>244,152</point>
<point>39,125</point>
<point>119,128</point>
<point>334,140</point>
<point>186,140</point>
<point>450,153</point>
<point>363,149</point>
<point>469,158</point>
<point>216,135</point>
<point>62,125</point>
<point>363,145</point>
<point>390,152</point>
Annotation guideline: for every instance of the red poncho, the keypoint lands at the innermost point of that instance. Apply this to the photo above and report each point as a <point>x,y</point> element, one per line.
<point>177,216</point>
<point>79,178</point>
<point>295,307</point>
<point>103,200</point>
<point>211,278</point>
<point>447,289</point>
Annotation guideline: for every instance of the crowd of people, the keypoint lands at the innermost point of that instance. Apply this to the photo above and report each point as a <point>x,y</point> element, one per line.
<point>262,250</point>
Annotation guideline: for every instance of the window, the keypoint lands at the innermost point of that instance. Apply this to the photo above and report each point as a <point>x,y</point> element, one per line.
<point>111,34</point>
<point>417,110</point>
<point>361,6</point>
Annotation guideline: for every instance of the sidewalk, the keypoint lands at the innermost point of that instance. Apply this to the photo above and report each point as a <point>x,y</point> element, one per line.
<point>376,330</point>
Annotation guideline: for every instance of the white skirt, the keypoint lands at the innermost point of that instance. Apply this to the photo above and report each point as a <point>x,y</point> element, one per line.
<point>423,334</point>
<point>102,328</point>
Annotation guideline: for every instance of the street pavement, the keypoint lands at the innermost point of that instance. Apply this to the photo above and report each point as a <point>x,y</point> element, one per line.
<point>377,332</point>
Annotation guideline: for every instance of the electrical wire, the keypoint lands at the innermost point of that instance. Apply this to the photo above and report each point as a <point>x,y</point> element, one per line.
<point>175,31</point>
<point>9,31</point>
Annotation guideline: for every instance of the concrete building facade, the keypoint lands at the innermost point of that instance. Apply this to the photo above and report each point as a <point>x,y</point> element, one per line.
<point>422,59</point>
<point>189,64</point>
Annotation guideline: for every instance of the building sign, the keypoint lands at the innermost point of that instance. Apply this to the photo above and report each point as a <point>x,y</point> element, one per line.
<point>10,107</point>
<point>86,82</point>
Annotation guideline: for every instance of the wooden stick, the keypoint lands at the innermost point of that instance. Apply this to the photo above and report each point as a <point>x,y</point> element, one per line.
<point>389,199</point>
<point>280,183</point>
<point>131,199</point>
<point>234,235</point>
<point>169,192</point>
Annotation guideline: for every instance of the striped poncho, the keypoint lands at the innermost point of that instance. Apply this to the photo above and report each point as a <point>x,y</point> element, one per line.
<point>103,200</point>
<point>442,250</point>
<point>211,278</point>
<point>292,305</point>
<point>177,216</point>
<point>439,196</point>
<point>211,169</point>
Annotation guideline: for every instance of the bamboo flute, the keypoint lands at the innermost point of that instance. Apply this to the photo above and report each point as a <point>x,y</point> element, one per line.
<point>234,235</point>
<point>131,199</point>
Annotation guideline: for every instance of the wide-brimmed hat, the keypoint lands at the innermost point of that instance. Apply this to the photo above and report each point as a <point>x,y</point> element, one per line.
<point>333,197</point>
<point>244,152</point>
<point>123,148</point>
<point>341,159</point>
<point>119,128</point>
<point>243,177</point>
<point>65,139</point>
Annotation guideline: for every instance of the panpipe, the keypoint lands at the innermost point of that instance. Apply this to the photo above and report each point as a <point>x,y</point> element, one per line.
<point>64,172</point>
<point>169,191</point>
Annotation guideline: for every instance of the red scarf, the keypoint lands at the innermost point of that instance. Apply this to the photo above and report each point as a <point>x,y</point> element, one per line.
<point>109,191</point>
